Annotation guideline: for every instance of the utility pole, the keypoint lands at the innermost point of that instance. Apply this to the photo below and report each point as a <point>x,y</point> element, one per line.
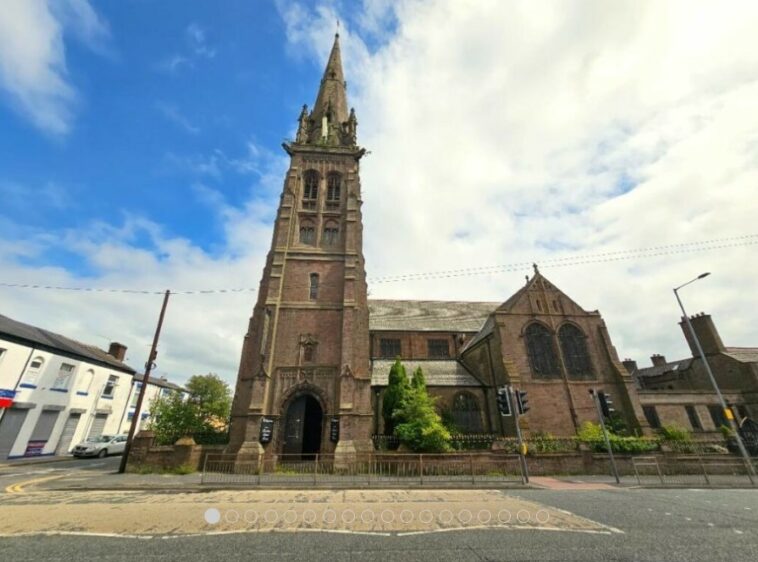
<point>146,378</point>
<point>596,400</point>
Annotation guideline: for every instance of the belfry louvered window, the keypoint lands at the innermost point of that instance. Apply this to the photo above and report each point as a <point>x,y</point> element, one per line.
<point>574,349</point>
<point>542,356</point>
<point>333,182</point>
<point>310,189</point>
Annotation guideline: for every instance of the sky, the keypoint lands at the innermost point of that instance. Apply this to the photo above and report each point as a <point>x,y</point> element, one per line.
<point>140,148</point>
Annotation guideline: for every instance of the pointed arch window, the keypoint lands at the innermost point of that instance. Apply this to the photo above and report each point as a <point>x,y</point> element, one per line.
<point>542,356</point>
<point>32,372</point>
<point>331,234</point>
<point>307,233</point>
<point>467,415</point>
<point>333,189</point>
<point>574,349</point>
<point>313,290</point>
<point>310,189</point>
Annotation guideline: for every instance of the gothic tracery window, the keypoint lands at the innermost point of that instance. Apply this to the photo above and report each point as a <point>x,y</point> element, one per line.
<point>331,234</point>
<point>542,356</point>
<point>575,354</point>
<point>307,233</point>
<point>467,415</point>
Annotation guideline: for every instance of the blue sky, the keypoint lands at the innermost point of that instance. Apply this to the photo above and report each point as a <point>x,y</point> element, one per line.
<point>140,148</point>
<point>199,81</point>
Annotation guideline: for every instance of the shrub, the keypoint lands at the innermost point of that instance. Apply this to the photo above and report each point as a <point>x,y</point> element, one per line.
<point>675,433</point>
<point>592,434</point>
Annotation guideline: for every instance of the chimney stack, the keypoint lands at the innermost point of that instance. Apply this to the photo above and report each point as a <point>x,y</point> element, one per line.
<point>707,334</point>
<point>117,350</point>
<point>630,365</point>
<point>658,360</point>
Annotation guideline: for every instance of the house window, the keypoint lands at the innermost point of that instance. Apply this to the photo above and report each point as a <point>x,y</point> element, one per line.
<point>389,348</point>
<point>574,349</point>
<point>438,348</point>
<point>110,386</point>
<point>694,418</point>
<point>307,233</point>
<point>651,415</point>
<point>85,382</point>
<point>331,234</point>
<point>314,287</point>
<point>541,351</point>
<point>63,380</point>
<point>333,182</point>
<point>467,415</point>
<point>717,416</point>
<point>135,396</point>
<point>310,189</point>
<point>33,370</point>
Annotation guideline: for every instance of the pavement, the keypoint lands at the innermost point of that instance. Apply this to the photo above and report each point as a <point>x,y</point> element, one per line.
<point>42,517</point>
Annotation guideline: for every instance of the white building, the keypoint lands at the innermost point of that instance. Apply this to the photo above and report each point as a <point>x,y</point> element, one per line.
<point>155,388</point>
<point>55,391</point>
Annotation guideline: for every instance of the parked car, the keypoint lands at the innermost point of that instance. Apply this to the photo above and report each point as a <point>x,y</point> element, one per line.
<point>101,446</point>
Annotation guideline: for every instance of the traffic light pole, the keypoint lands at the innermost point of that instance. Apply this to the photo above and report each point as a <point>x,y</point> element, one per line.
<point>596,400</point>
<point>521,446</point>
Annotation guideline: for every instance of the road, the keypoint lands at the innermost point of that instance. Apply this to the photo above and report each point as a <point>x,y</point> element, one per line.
<point>588,522</point>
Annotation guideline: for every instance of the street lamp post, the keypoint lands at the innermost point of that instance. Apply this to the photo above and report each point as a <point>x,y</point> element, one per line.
<point>727,413</point>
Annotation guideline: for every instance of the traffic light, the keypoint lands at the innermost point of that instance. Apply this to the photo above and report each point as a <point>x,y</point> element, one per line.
<point>503,404</point>
<point>522,402</point>
<point>606,405</point>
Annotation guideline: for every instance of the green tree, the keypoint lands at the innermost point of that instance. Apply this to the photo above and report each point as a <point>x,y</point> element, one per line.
<point>397,388</point>
<point>204,410</point>
<point>419,426</point>
<point>418,381</point>
<point>213,399</point>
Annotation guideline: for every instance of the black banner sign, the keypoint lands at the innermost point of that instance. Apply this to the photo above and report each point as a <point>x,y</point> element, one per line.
<point>334,430</point>
<point>267,430</point>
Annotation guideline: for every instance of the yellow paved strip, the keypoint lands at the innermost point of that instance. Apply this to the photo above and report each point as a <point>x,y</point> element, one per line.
<point>18,488</point>
<point>230,512</point>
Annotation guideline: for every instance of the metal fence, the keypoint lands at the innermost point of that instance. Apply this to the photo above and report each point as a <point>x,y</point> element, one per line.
<point>364,470</point>
<point>693,470</point>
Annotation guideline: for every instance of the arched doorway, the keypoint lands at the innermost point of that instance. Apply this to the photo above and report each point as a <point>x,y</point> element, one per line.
<point>302,427</point>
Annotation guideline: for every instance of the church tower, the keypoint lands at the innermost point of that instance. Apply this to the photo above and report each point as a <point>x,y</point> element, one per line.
<point>303,385</point>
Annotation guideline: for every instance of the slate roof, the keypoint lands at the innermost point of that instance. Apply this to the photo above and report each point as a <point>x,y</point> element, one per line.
<point>414,315</point>
<point>158,381</point>
<point>658,370</point>
<point>743,354</point>
<point>19,332</point>
<point>448,372</point>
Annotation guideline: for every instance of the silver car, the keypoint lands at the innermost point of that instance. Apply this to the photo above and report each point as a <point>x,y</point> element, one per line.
<point>101,446</point>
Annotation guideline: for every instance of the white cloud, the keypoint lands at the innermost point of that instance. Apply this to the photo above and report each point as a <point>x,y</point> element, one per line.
<point>511,132</point>
<point>499,133</point>
<point>33,61</point>
<point>172,113</point>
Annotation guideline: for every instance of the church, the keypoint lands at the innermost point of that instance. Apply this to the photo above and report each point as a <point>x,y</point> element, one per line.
<point>317,353</point>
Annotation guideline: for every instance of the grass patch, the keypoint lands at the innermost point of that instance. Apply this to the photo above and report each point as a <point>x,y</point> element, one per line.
<point>154,469</point>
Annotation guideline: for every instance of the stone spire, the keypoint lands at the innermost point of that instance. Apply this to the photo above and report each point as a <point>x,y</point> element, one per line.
<point>330,122</point>
<point>332,95</point>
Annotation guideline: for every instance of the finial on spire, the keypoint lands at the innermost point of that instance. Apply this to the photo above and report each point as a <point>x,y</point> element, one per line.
<point>536,269</point>
<point>337,33</point>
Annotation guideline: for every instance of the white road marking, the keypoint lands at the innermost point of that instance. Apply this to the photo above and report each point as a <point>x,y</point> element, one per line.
<point>738,531</point>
